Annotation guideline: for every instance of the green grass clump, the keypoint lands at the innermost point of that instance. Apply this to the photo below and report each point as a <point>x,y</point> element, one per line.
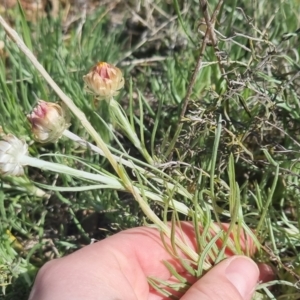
<point>218,143</point>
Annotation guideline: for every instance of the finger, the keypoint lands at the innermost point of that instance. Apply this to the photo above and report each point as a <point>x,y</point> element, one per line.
<point>137,252</point>
<point>233,278</point>
<point>267,273</point>
<point>115,267</point>
<point>145,242</point>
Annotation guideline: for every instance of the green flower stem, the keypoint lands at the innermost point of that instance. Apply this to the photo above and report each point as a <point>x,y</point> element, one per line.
<point>181,207</point>
<point>126,126</point>
<point>72,136</point>
<point>60,168</point>
<point>24,185</point>
<point>113,183</point>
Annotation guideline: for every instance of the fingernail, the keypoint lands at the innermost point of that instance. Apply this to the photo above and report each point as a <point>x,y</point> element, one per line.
<point>243,273</point>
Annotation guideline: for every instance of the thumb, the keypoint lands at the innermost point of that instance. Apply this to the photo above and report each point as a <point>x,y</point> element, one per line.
<point>233,278</point>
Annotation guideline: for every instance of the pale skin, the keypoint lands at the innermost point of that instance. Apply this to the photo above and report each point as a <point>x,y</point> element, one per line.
<point>117,269</point>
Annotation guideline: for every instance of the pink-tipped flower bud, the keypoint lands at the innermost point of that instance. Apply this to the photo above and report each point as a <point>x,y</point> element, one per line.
<point>104,81</point>
<point>48,121</point>
<point>11,152</point>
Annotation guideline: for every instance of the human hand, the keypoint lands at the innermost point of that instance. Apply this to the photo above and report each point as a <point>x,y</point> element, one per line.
<point>117,269</point>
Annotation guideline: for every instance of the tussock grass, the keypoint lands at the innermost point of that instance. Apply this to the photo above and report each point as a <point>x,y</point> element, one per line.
<point>223,137</point>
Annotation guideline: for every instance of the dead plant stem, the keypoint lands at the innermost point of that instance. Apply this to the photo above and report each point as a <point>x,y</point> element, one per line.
<point>208,34</point>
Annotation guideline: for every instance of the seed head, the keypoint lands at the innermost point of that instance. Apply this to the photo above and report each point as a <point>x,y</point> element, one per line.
<point>48,121</point>
<point>11,151</point>
<point>104,81</point>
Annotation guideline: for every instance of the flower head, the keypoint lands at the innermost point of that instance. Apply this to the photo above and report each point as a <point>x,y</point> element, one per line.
<point>104,80</point>
<point>11,151</point>
<point>48,121</point>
